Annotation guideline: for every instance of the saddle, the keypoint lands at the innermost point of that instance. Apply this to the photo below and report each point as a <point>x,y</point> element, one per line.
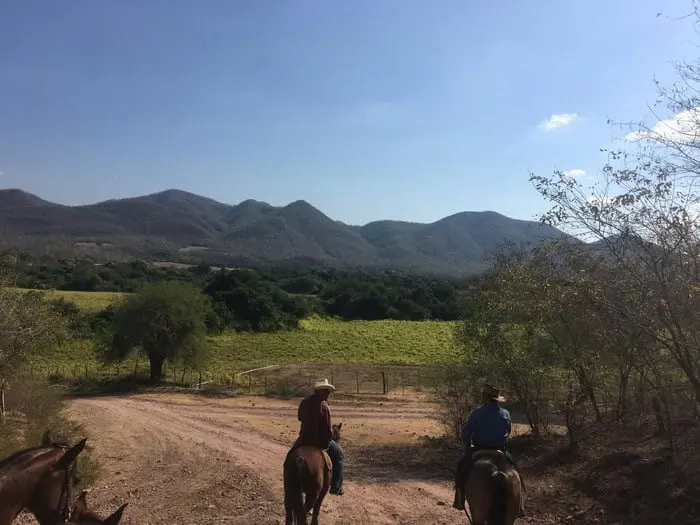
<point>326,457</point>
<point>496,456</point>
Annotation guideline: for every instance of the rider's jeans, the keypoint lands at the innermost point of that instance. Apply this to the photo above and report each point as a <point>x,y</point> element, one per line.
<point>336,455</point>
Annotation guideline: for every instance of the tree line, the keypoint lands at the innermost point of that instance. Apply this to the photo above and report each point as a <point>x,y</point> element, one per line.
<point>260,299</point>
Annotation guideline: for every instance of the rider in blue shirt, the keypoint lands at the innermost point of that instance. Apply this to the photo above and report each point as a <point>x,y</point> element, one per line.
<point>487,428</point>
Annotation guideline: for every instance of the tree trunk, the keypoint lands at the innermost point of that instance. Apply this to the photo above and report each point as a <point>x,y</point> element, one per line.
<point>156,363</point>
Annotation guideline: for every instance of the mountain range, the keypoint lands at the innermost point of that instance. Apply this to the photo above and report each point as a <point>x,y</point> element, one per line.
<point>183,227</point>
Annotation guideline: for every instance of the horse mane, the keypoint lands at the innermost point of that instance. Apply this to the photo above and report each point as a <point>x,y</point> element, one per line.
<point>33,452</point>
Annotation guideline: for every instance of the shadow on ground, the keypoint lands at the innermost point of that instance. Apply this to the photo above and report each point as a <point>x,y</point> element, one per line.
<point>431,460</point>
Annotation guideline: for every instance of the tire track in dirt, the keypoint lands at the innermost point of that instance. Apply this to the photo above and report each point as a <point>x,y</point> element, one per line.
<point>199,462</point>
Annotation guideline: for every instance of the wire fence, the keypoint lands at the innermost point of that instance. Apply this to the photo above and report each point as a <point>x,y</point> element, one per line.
<point>281,380</point>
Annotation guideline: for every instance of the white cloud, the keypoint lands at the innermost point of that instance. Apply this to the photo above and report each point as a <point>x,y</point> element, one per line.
<point>577,172</point>
<point>682,127</point>
<point>559,120</point>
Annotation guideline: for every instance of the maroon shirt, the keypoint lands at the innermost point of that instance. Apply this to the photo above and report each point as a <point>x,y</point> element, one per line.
<point>315,416</point>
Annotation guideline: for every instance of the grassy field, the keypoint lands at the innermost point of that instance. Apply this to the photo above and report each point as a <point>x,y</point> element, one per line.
<point>319,340</point>
<point>83,300</point>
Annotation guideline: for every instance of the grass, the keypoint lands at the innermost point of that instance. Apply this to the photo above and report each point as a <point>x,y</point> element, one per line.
<point>88,301</point>
<point>319,340</point>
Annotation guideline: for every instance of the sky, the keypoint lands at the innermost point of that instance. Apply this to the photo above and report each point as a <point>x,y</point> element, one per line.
<point>367,109</point>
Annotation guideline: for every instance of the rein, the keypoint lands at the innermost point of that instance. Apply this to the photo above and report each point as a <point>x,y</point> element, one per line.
<point>468,516</point>
<point>65,510</point>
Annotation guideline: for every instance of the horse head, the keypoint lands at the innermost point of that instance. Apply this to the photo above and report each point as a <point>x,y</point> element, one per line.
<point>40,479</point>
<point>336,431</point>
<point>52,499</point>
<point>82,515</point>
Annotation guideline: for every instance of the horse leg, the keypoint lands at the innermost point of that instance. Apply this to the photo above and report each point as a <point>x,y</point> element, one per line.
<point>324,484</point>
<point>317,506</point>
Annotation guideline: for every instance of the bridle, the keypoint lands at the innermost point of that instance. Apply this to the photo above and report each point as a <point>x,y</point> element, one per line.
<point>66,507</point>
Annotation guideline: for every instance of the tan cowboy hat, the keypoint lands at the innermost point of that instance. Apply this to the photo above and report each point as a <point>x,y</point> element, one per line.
<point>323,384</point>
<point>491,392</point>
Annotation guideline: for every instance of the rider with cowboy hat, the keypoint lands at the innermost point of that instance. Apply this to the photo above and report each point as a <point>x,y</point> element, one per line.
<point>488,427</point>
<point>316,430</point>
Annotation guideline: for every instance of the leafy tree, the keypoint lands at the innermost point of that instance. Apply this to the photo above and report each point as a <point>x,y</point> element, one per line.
<point>165,321</point>
<point>28,325</point>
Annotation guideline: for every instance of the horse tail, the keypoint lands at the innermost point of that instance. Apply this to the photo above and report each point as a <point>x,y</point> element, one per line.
<point>295,469</point>
<point>499,496</point>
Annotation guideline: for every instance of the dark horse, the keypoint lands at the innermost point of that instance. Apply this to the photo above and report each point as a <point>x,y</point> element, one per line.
<point>42,479</point>
<point>307,472</point>
<point>493,489</point>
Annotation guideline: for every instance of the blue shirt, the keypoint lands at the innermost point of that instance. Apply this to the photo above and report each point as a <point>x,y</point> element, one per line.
<point>488,426</point>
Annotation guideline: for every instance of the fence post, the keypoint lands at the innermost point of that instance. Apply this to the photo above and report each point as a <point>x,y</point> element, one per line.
<point>250,384</point>
<point>357,381</point>
<point>385,387</point>
<point>2,401</point>
<point>200,379</point>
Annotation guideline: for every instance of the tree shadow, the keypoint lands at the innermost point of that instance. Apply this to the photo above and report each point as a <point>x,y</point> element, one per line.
<point>430,460</point>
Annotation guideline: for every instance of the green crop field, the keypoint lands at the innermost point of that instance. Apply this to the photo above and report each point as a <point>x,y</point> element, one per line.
<point>319,340</point>
<point>86,300</point>
<point>83,300</point>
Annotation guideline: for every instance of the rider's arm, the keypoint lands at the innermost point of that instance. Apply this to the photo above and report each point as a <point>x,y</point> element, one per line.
<point>506,416</point>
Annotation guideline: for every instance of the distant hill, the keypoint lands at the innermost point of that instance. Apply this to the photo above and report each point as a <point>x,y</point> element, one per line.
<point>180,226</point>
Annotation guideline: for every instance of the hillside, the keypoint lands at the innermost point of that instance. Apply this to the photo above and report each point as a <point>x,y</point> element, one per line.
<point>181,226</point>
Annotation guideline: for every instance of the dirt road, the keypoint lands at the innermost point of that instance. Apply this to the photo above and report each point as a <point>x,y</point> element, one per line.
<point>184,460</point>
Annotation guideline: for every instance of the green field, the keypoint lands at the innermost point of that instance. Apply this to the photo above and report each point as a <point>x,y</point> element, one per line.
<point>83,300</point>
<point>319,340</point>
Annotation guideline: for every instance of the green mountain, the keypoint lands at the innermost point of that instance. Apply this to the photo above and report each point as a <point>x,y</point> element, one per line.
<point>183,227</point>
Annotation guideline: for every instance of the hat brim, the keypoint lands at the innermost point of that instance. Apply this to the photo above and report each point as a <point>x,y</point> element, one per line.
<point>497,398</point>
<point>324,387</point>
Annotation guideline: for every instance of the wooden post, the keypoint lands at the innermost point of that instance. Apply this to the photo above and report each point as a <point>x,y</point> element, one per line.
<point>357,381</point>
<point>384,385</point>
<point>3,386</point>
<point>200,379</point>
<point>250,384</point>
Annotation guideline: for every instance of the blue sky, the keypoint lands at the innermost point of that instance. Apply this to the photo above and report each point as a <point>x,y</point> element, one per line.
<point>368,109</point>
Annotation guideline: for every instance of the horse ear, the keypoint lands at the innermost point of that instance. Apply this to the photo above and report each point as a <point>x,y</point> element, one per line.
<point>83,497</point>
<point>46,439</point>
<point>115,518</point>
<point>69,457</point>
<point>340,425</point>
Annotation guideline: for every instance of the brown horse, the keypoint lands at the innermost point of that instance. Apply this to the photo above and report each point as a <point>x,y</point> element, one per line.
<point>31,477</point>
<point>493,489</point>
<point>307,472</point>
<point>42,479</point>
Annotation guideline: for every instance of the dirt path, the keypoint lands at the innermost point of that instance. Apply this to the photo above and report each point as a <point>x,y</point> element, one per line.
<point>185,460</point>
